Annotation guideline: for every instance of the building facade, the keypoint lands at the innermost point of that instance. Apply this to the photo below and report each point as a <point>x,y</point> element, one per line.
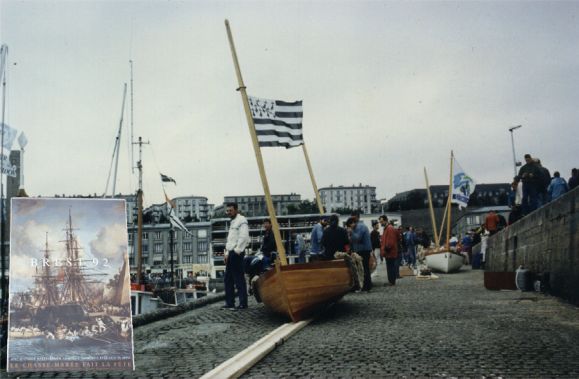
<point>493,194</point>
<point>188,249</point>
<point>362,197</point>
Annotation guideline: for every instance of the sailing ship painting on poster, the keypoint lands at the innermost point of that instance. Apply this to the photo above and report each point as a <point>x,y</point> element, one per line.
<point>70,306</point>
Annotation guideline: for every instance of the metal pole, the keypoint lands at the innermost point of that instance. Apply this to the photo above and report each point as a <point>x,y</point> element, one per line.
<point>172,235</point>
<point>514,156</point>
<point>512,129</point>
<point>4,302</point>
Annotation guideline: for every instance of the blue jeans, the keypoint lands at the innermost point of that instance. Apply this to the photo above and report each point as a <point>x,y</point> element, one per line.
<point>412,255</point>
<point>235,279</point>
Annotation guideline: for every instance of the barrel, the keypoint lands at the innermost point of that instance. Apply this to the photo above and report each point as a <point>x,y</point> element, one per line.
<point>523,279</point>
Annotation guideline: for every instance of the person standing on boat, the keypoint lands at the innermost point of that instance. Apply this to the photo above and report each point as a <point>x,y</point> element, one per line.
<point>299,247</point>
<point>334,239</point>
<point>389,248</point>
<point>316,238</point>
<point>362,245</point>
<point>268,245</point>
<point>237,240</point>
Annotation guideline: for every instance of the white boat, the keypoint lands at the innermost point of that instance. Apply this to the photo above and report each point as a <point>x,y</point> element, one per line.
<point>444,261</point>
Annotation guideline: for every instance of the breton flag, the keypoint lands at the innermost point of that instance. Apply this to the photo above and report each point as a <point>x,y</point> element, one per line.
<point>173,219</point>
<point>277,123</point>
<point>462,186</point>
<point>165,178</point>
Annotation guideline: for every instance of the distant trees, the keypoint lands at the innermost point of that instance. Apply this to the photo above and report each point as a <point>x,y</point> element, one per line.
<point>304,207</point>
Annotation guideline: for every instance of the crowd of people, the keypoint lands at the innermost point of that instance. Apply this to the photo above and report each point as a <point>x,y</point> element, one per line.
<point>534,187</point>
<point>395,246</point>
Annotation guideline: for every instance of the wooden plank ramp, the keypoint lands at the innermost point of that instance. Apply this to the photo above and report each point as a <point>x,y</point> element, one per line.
<point>237,365</point>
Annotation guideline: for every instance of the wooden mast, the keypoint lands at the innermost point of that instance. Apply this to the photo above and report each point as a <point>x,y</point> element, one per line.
<point>432,218</point>
<point>443,222</point>
<point>318,199</point>
<point>449,203</point>
<point>257,150</point>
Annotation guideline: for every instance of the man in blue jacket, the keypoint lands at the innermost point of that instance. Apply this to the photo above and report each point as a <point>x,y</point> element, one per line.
<point>557,187</point>
<point>360,243</point>
<point>316,238</point>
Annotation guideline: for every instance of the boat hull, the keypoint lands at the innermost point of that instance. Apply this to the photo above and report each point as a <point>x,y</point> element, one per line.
<point>444,262</point>
<point>300,290</point>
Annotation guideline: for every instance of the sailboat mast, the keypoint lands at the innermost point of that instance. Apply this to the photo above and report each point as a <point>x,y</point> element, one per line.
<point>316,192</point>
<point>257,150</point>
<point>449,203</point>
<point>140,215</point>
<point>432,218</point>
<point>132,143</point>
<point>119,141</point>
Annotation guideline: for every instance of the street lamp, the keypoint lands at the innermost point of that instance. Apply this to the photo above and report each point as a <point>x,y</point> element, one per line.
<point>516,164</point>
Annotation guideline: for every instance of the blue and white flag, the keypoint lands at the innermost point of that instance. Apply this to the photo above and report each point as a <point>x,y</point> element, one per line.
<point>277,123</point>
<point>462,186</point>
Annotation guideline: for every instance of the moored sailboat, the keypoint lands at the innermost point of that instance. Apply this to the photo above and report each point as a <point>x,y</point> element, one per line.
<point>443,260</point>
<point>299,290</point>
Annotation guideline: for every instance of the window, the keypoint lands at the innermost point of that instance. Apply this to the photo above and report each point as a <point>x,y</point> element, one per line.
<point>158,248</point>
<point>130,237</point>
<point>202,246</point>
<point>187,246</point>
<point>187,259</point>
<point>157,235</point>
<point>145,248</point>
<point>202,259</point>
<point>145,235</point>
<point>202,233</point>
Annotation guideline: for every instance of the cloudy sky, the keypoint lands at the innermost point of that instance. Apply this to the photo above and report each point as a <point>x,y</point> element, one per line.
<point>388,88</point>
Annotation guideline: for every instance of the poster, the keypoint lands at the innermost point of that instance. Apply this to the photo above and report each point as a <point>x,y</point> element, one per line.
<point>70,305</point>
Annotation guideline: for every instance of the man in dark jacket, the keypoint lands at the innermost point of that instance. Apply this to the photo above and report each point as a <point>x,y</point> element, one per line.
<point>574,179</point>
<point>531,175</point>
<point>544,184</point>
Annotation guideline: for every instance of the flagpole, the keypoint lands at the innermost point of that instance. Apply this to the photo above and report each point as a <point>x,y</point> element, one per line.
<point>316,192</point>
<point>449,203</point>
<point>257,150</point>
<point>432,219</point>
<point>4,300</point>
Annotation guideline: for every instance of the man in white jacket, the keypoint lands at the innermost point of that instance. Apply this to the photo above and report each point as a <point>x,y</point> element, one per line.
<point>237,240</point>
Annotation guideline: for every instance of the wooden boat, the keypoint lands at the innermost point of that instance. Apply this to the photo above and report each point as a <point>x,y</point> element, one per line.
<point>300,290</point>
<point>444,261</point>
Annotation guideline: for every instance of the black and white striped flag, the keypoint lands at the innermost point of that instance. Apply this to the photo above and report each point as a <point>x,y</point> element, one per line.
<point>277,123</point>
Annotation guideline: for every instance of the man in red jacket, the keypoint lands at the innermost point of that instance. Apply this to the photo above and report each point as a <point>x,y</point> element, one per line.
<point>389,248</point>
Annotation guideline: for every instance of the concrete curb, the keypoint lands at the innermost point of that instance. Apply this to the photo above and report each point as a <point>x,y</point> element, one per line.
<point>164,313</point>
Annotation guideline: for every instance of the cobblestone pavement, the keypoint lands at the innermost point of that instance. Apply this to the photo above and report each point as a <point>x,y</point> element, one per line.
<point>450,327</point>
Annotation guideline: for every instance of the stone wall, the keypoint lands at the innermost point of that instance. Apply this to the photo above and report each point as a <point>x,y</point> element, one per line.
<point>545,241</point>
